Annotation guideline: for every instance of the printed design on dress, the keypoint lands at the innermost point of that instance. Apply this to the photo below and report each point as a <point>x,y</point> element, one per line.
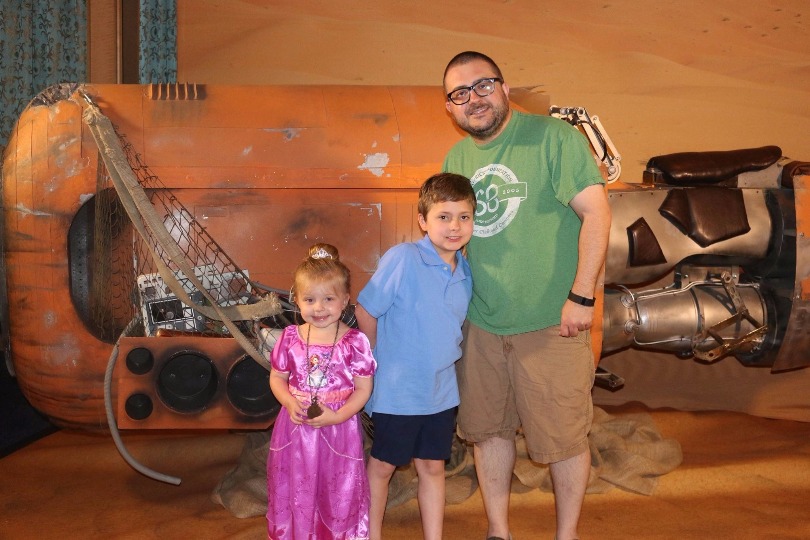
<point>316,371</point>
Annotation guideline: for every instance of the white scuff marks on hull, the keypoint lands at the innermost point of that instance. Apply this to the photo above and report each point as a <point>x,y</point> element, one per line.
<point>370,209</point>
<point>84,197</point>
<point>48,319</point>
<point>68,161</point>
<point>64,352</point>
<point>25,211</point>
<point>375,163</point>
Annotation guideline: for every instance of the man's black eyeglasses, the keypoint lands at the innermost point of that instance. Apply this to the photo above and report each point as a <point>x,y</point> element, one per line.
<point>481,87</point>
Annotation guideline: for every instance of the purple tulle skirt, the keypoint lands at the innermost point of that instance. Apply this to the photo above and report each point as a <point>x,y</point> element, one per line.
<point>316,481</point>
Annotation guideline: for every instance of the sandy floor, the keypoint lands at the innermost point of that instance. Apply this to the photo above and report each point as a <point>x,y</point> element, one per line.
<point>742,477</point>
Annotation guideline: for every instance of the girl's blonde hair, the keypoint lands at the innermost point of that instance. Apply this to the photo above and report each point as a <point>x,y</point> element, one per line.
<point>322,264</point>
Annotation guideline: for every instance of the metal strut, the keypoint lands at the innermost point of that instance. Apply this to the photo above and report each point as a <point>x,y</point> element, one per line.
<point>740,312</point>
<point>603,148</point>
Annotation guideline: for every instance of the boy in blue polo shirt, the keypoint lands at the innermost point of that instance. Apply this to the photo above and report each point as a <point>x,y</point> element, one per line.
<point>412,310</point>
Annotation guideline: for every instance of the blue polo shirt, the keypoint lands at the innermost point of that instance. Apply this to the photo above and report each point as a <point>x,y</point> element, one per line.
<point>420,306</point>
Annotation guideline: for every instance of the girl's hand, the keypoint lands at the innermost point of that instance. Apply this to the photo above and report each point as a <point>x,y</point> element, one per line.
<point>295,410</point>
<point>327,418</point>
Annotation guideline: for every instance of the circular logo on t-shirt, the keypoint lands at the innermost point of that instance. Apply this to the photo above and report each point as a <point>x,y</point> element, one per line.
<point>498,195</point>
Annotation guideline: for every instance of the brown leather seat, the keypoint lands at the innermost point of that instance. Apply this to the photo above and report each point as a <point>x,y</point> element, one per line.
<point>705,168</point>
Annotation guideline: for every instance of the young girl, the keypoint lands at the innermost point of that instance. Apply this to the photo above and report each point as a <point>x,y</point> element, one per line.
<point>322,375</point>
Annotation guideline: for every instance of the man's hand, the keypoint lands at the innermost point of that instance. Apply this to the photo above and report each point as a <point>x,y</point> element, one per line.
<point>575,318</point>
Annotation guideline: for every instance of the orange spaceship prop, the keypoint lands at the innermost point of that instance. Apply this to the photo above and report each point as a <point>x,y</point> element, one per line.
<point>150,232</point>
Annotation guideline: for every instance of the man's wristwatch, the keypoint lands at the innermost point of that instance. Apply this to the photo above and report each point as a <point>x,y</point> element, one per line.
<point>581,300</point>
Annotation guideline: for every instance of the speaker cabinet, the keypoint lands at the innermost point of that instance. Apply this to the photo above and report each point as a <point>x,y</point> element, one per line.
<point>190,382</point>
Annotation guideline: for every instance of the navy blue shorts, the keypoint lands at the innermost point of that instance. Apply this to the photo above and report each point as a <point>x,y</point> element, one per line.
<point>400,438</point>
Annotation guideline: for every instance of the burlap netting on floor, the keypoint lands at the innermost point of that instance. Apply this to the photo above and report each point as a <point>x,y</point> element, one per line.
<point>627,452</point>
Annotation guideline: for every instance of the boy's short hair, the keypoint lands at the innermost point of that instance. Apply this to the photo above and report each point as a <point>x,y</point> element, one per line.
<point>443,187</point>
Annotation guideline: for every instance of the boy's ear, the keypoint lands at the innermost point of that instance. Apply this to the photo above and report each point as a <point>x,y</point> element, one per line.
<point>421,220</point>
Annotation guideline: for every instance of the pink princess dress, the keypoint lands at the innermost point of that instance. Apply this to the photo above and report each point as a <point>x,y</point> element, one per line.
<point>316,480</point>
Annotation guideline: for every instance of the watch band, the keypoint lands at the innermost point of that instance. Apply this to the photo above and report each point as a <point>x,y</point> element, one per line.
<point>581,300</point>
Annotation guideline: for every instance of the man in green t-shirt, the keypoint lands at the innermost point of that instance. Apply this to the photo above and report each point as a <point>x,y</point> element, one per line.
<point>539,243</point>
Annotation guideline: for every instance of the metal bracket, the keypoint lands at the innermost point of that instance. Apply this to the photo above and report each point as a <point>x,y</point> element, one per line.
<point>607,379</point>
<point>592,127</point>
<point>740,312</point>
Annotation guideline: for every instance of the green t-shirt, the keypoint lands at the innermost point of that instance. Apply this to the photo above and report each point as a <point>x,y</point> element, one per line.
<point>523,253</point>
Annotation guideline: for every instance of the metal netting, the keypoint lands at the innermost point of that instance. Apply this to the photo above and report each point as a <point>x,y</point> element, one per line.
<point>127,283</point>
<point>112,295</point>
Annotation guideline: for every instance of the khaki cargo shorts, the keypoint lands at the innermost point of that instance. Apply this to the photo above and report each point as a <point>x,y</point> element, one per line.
<point>539,381</point>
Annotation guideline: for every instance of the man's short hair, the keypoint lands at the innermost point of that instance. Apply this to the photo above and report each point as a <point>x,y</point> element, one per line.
<point>468,56</point>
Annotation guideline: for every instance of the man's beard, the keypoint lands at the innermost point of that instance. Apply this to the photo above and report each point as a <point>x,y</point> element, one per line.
<point>499,112</point>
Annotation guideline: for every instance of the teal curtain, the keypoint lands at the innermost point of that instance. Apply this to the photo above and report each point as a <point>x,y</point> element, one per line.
<point>158,42</point>
<point>41,44</point>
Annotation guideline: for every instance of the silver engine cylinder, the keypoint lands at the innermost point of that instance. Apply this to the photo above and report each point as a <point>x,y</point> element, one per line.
<point>679,320</point>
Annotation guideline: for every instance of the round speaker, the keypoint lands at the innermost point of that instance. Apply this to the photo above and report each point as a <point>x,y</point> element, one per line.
<point>249,389</point>
<point>138,406</point>
<point>140,361</point>
<point>187,382</point>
